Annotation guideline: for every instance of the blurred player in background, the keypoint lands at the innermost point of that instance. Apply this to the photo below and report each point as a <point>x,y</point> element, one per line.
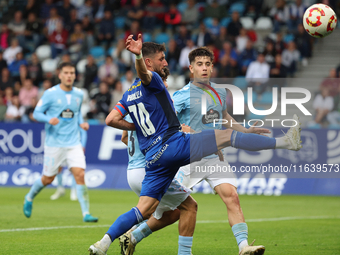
<point>60,187</point>
<point>59,108</point>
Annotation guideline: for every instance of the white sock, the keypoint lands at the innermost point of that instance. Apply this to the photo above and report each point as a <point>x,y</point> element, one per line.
<point>133,239</point>
<point>242,244</point>
<point>105,242</point>
<point>282,143</point>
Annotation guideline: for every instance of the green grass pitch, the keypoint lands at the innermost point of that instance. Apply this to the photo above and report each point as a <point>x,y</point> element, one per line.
<point>285,225</point>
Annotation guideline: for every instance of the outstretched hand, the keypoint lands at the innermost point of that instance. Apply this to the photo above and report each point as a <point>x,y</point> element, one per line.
<point>134,46</point>
<point>255,130</point>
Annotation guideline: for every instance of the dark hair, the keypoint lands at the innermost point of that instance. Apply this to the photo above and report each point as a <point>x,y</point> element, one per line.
<point>166,73</point>
<point>201,52</point>
<point>65,64</point>
<point>151,48</point>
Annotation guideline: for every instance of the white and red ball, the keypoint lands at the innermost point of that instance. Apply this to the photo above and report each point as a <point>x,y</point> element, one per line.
<point>319,20</point>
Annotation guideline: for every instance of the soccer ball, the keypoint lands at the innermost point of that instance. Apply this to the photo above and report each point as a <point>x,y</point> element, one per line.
<point>319,20</point>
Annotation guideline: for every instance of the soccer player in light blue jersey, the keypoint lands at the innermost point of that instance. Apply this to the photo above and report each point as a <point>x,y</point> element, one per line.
<point>165,146</point>
<point>59,108</point>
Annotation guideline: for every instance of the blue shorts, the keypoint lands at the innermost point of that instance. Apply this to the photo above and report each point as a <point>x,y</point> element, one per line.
<point>163,162</point>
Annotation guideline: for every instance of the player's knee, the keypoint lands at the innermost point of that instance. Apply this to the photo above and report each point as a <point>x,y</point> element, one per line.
<point>189,205</point>
<point>46,180</point>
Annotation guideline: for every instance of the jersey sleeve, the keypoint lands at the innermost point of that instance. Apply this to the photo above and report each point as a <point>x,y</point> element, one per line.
<point>180,101</point>
<point>42,106</point>
<point>121,108</point>
<point>224,100</point>
<point>156,82</point>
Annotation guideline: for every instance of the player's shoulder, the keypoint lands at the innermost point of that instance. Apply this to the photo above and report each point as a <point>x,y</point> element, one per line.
<point>183,91</point>
<point>221,91</point>
<point>78,91</point>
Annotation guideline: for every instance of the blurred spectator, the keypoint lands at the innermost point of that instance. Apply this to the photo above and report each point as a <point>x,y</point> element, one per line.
<point>279,14</point>
<point>101,102</point>
<point>108,72</point>
<point>214,10</point>
<point>182,37</point>
<point>3,109</point>
<point>172,56</point>
<point>257,74</point>
<point>17,26</point>
<point>122,56</point>
<point>88,28</point>
<point>15,66</point>
<point>203,37</point>
<point>241,40</point>
<point>11,52</point>
<point>296,11</point>
<point>58,40</point>
<point>106,29</point>
<point>323,104</point>
<point>27,92</point>
<point>127,82</point>
<point>32,6</point>
<point>3,63</point>
<point>4,37</point>
<point>214,29</point>
<point>17,87</point>
<point>35,70</point>
<point>77,39</point>
<point>279,45</point>
<point>85,10</point>
<point>64,10</point>
<point>278,70</point>
<point>117,94</point>
<point>190,15</point>
<point>91,71</point>
<point>134,30</point>
<point>135,13</point>
<point>154,14</point>
<point>9,92</point>
<point>99,10</point>
<point>47,84</point>
<point>5,80</point>
<point>73,21</point>
<point>267,5</point>
<point>290,58</point>
<point>304,43</point>
<point>52,22</point>
<point>269,52</point>
<point>77,3</point>
<point>247,56</point>
<point>14,110</point>
<point>228,61</point>
<point>234,27</point>
<point>28,115</point>
<point>215,51</point>
<point>33,30</point>
<point>183,58</point>
<point>24,74</point>
<point>173,17</point>
<point>45,11</point>
<point>333,117</point>
<point>253,9</point>
<point>222,37</point>
<point>332,83</point>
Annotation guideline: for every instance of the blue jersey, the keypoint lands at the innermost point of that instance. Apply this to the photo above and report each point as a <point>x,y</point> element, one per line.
<point>64,105</point>
<point>152,111</point>
<point>136,157</point>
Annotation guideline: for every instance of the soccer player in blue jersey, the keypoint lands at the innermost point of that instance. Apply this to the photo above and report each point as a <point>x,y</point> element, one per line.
<point>59,108</point>
<point>165,147</point>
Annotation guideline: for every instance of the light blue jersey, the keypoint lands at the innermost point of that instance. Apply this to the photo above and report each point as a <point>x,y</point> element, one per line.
<point>187,102</point>
<point>136,157</point>
<point>66,107</point>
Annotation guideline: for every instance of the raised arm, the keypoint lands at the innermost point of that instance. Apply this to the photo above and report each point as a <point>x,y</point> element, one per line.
<point>116,120</point>
<point>136,48</point>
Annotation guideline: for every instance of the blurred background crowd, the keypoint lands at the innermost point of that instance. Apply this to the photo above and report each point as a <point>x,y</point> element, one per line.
<point>253,41</point>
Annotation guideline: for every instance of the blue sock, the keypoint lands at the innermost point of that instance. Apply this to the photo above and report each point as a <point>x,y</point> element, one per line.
<point>184,245</point>
<point>35,189</point>
<point>251,142</point>
<point>60,180</point>
<point>141,232</point>
<point>83,198</point>
<point>124,222</point>
<point>240,231</point>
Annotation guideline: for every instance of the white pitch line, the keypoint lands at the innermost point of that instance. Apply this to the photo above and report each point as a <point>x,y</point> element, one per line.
<point>198,222</point>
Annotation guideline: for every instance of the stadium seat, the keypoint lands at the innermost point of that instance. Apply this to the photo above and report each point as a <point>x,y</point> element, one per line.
<point>147,37</point>
<point>288,38</point>
<point>225,21</point>
<point>237,7</point>
<point>49,65</point>
<point>263,23</point>
<point>119,22</point>
<point>97,52</point>
<point>171,81</point>
<point>247,22</point>
<point>81,66</point>
<point>208,22</point>
<point>334,126</point>
<point>111,50</point>
<point>182,7</point>
<point>44,52</point>
<point>162,38</point>
<point>314,125</point>
<point>266,98</point>
<point>180,82</point>
<point>240,81</point>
